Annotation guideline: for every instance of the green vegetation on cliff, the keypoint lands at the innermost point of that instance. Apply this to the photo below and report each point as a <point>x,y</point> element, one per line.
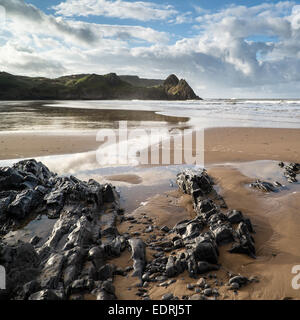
<point>93,87</point>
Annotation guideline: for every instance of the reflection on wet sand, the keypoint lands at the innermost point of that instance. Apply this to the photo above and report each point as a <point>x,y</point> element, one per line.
<point>40,116</point>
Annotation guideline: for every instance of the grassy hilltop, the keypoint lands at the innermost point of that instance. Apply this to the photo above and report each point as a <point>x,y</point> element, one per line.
<point>93,87</point>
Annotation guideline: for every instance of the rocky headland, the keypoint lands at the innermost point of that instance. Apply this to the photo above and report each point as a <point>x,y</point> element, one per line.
<point>93,87</point>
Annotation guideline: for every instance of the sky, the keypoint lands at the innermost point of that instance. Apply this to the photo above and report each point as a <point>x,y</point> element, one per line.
<point>224,49</point>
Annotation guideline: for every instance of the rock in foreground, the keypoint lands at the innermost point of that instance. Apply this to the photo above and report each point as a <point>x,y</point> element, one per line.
<point>70,262</point>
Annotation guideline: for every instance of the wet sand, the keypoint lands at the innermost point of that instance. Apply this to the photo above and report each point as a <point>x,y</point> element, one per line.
<point>128,178</point>
<point>276,220</point>
<point>248,144</point>
<point>29,145</point>
<point>221,144</point>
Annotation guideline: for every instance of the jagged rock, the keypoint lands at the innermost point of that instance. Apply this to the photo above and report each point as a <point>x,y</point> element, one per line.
<point>165,229</point>
<point>35,240</point>
<point>81,236</point>
<point>106,272</point>
<point>180,263</point>
<point>217,219</point>
<point>46,294</point>
<point>30,288</point>
<point>246,241</point>
<point>243,231</point>
<point>201,282</point>
<point>55,202</point>
<point>205,251</point>
<point>103,295</point>
<point>35,169</point>
<point>205,208</point>
<point>81,285</point>
<point>97,256</point>
<point>244,247</point>
<point>240,280</point>
<point>178,244</point>
<point>235,216</point>
<point>194,183</point>
<point>223,234</point>
<point>72,257</point>
<point>193,229</point>
<point>73,264</point>
<point>106,291</point>
<point>21,263</point>
<point>180,227</point>
<point>248,223</point>
<point>10,179</point>
<point>23,204</point>
<point>138,256</point>
<point>263,186</point>
<point>208,292</point>
<point>171,270</point>
<point>51,272</point>
<point>109,193</point>
<point>290,171</point>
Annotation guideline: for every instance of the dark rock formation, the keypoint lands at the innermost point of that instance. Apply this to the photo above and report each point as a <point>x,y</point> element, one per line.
<point>290,171</point>
<point>138,249</point>
<point>202,250</point>
<point>198,248</point>
<point>196,185</point>
<point>263,186</point>
<point>72,259</point>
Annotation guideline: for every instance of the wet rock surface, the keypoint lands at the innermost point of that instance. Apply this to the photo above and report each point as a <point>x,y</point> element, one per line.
<point>73,258</point>
<point>228,227</point>
<point>192,246</point>
<point>291,171</point>
<point>263,186</point>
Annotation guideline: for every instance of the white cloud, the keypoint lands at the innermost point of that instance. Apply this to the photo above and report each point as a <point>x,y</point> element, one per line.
<point>25,18</point>
<point>137,10</point>
<point>238,51</point>
<point>183,18</point>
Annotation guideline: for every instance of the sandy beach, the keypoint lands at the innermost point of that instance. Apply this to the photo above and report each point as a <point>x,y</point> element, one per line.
<point>275,217</point>
<point>221,144</point>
